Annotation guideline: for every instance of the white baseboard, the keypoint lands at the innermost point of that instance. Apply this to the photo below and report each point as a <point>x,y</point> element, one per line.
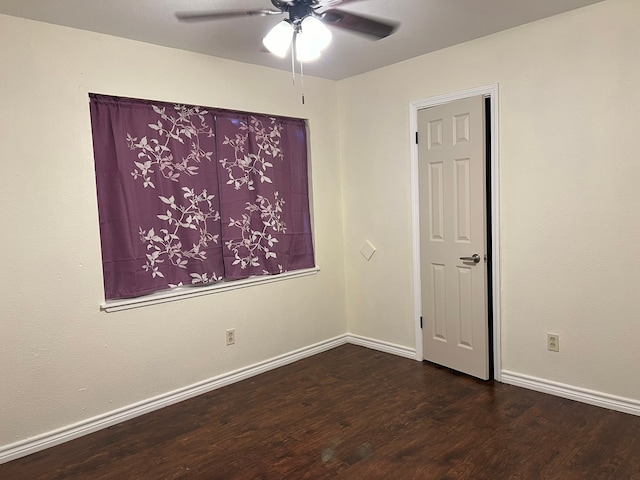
<point>386,347</point>
<point>85,427</point>
<point>599,399</point>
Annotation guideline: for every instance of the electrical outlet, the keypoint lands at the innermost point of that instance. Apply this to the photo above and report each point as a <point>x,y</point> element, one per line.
<point>231,336</point>
<point>553,342</point>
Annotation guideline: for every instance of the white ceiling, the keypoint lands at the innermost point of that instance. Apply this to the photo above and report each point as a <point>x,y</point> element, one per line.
<point>426,26</point>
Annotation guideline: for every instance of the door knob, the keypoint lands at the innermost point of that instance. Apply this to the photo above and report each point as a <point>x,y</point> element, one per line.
<point>475,258</point>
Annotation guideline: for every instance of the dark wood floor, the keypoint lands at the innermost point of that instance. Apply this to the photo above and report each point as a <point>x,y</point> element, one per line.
<point>353,413</point>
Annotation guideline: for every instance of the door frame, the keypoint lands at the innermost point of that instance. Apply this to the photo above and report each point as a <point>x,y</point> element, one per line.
<point>491,92</point>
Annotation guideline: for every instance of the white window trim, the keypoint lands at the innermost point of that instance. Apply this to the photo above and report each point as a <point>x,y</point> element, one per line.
<point>190,291</point>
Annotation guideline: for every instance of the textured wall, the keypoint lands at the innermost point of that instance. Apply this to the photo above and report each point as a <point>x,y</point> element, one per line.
<point>570,202</point>
<point>61,359</point>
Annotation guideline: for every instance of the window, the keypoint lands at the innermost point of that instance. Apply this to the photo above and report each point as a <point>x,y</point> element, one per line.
<point>195,195</point>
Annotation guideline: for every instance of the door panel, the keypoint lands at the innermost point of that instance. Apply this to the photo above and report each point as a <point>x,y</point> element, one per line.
<point>451,170</point>
<point>436,204</point>
<point>439,302</point>
<point>461,200</point>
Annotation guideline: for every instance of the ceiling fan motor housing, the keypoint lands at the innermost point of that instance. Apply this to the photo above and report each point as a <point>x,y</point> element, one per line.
<point>297,9</point>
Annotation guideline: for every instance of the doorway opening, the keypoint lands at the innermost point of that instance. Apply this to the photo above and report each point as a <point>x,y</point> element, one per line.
<point>491,197</point>
<point>487,153</point>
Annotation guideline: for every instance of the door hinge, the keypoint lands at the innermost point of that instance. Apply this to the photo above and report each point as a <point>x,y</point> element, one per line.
<point>420,321</point>
<point>416,138</point>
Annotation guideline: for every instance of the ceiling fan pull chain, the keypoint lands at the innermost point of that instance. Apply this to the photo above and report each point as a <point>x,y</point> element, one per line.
<point>293,59</point>
<point>293,66</point>
<point>302,81</point>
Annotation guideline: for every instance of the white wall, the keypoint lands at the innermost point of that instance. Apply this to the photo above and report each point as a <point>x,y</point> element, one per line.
<point>569,182</point>
<point>62,360</point>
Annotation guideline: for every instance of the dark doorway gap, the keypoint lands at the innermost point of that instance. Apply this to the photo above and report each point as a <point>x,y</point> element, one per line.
<point>487,143</point>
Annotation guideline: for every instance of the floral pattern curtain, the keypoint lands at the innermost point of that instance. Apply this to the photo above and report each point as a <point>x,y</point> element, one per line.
<point>193,195</point>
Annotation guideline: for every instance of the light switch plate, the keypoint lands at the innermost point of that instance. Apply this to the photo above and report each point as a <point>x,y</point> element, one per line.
<point>367,250</point>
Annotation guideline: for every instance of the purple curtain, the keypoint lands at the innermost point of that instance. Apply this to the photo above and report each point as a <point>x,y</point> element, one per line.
<point>193,195</point>
<point>263,194</point>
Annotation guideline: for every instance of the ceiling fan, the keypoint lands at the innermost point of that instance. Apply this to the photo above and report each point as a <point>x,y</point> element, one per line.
<point>305,28</point>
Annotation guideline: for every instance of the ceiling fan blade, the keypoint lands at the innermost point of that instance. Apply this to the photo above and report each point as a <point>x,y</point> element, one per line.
<point>203,16</point>
<point>359,24</point>
<point>329,3</point>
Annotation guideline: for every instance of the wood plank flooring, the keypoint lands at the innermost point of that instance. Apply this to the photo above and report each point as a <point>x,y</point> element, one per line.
<point>349,414</point>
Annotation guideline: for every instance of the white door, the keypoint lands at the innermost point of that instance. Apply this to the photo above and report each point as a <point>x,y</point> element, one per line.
<point>451,170</point>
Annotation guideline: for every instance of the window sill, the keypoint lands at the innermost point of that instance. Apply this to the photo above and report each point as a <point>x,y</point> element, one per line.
<point>181,293</point>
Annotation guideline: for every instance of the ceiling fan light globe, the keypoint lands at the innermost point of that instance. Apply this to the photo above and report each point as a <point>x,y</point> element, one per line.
<point>306,50</point>
<point>278,40</point>
<point>316,32</point>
